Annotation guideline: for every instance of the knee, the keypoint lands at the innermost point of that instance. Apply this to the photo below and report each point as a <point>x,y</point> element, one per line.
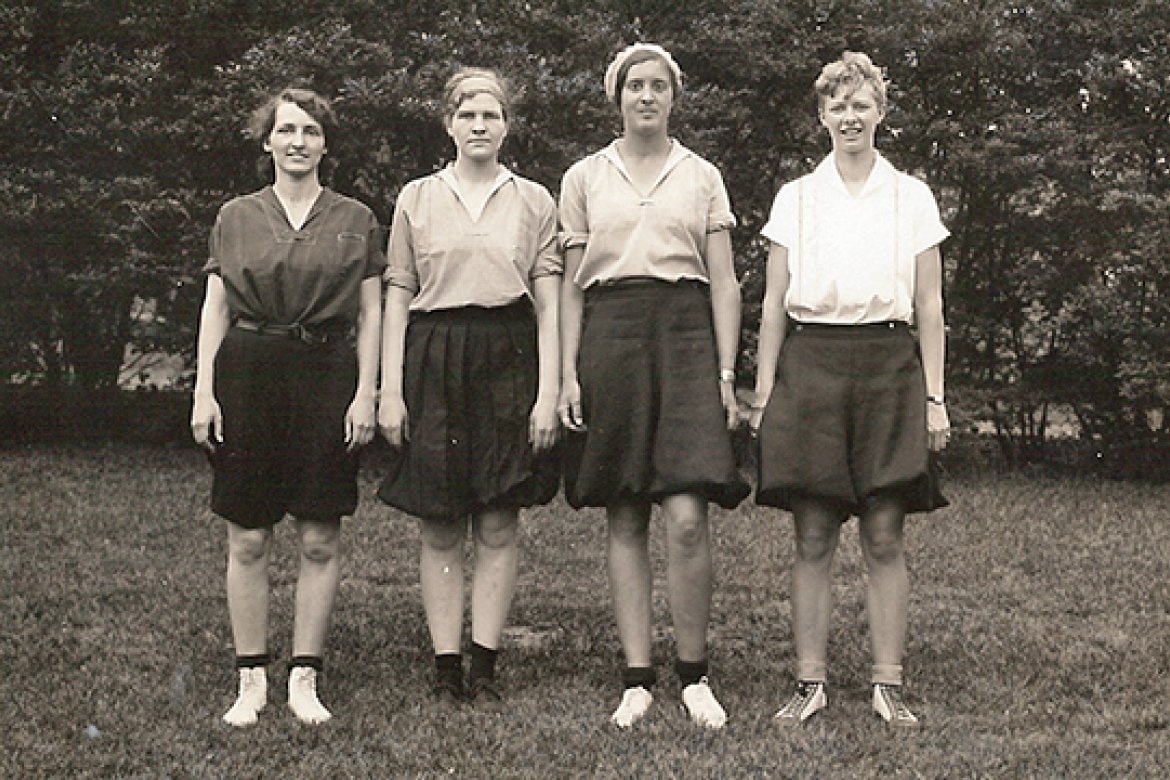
<point>320,543</point>
<point>249,546</point>
<point>687,533</point>
<point>496,531</point>
<point>882,548</point>
<point>628,527</point>
<point>815,546</point>
<point>443,535</point>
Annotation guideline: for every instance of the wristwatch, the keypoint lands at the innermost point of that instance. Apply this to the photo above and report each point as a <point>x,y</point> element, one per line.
<point>936,399</point>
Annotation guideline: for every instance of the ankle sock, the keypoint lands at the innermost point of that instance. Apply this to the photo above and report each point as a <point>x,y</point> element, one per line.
<point>886,674</point>
<point>449,669</point>
<point>483,662</point>
<point>639,677</point>
<point>311,661</point>
<point>252,661</point>
<point>690,672</point>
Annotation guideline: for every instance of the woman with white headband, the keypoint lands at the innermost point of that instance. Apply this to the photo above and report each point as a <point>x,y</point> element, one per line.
<point>649,329</point>
<point>470,375</point>
<point>850,400</point>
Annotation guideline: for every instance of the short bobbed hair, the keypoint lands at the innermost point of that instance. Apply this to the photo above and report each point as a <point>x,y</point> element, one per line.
<point>852,72</point>
<point>466,83</point>
<point>313,104</point>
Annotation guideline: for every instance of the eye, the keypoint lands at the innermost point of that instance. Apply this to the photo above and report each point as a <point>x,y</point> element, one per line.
<point>634,86</point>
<point>661,86</point>
<point>312,130</point>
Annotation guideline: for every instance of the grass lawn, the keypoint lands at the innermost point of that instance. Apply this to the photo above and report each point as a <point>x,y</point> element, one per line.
<point>1039,647</point>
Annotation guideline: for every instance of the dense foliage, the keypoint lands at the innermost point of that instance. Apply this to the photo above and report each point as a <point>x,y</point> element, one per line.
<point>1044,127</point>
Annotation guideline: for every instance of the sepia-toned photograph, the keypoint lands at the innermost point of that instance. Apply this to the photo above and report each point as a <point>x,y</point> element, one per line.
<point>560,389</point>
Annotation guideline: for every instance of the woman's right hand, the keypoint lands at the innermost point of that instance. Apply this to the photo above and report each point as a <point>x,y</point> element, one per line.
<point>569,406</point>
<point>393,420</point>
<point>206,422</point>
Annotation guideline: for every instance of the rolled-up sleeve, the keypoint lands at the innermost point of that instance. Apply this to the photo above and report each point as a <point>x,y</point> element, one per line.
<point>574,215</point>
<point>401,268</point>
<point>719,214</point>
<point>549,260</point>
<point>212,266</point>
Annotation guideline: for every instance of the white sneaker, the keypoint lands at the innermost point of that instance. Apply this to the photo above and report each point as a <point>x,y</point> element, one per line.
<point>635,702</point>
<point>808,700</point>
<point>302,696</point>
<point>251,699</point>
<point>702,706</point>
<point>888,704</point>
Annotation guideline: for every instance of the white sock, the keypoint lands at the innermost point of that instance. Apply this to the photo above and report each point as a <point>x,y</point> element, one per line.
<point>252,697</point>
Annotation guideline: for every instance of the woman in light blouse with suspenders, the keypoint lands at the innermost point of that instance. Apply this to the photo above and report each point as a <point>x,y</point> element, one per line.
<point>850,402</point>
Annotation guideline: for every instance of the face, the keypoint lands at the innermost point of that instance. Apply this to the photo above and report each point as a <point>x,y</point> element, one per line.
<point>296,143</point>
<point>478,128</point>
<point>851,118</point>
<point>647,97</point>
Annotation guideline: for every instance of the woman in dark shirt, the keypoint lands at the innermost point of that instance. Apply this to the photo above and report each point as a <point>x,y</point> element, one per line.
<point>283,399</point>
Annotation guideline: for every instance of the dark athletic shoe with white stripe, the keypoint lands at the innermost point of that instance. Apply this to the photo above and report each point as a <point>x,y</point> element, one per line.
<point>808,700</point>
<point>888,704</point>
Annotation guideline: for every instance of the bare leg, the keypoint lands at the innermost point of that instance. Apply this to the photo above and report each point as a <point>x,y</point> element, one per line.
<point>441,580</point>
<point>818,531</point>
<point>688,573</point>
<point>888,589</point>
<point>247,592</point>
<point>630,578</point>
<point>494,581</point>
<point>320,572</point>
<point>247,587</point>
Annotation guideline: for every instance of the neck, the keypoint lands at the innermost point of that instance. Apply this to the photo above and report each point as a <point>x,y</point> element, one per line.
<point>855,167</point>
<point>296,190</point>
<point>638,145</point>
<point>476,171</point>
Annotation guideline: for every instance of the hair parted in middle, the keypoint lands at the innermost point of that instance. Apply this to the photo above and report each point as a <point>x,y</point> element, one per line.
<point>466,83</point>
<point>853,71</point>
<point>635,54</point>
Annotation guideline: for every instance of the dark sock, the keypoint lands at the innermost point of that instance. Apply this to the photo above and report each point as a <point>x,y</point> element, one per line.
<point>483,662</point>
<point>252,661</point>
<point>639,677</point>
<point>690,672</point>
<point>449,669</point>
<point>311,661</point>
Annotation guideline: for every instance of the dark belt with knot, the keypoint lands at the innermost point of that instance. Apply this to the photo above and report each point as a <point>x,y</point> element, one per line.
<point>317,334</point>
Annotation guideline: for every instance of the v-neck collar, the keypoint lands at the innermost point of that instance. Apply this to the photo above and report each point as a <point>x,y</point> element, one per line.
<point>448,177</point>
<point>678,153</point>
<point>881,172</point>
<point>269,193</point>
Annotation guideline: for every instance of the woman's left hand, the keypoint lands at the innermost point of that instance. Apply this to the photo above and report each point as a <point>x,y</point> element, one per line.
<point>543,425</point>
<point>360,423</point>
<point>938,426</point>
<point>730,404</point>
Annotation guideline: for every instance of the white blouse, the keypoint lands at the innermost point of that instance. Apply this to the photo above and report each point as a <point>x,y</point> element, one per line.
<point>852,259</point>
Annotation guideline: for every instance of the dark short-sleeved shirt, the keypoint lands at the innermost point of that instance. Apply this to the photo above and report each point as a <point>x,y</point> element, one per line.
<point>276,274</point>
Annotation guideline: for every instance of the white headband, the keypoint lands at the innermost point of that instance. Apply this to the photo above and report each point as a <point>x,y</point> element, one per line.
<point>611,73</point>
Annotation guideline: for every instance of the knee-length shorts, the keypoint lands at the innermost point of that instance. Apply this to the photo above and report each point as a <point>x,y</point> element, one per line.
<point>649,377</point>
<point>846,421</point>
<point>284,403</point>
<point>470,384</point>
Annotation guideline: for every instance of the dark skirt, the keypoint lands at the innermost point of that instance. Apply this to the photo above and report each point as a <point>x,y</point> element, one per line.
<point>649,379</point>
<point>470,384</point>
<point>284,404</point>
<point>846,421</point>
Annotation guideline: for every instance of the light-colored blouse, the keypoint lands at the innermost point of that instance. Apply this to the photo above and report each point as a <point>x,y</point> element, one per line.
<point>449,260</point>
<point>660,234</point>
<point>852,259</point>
